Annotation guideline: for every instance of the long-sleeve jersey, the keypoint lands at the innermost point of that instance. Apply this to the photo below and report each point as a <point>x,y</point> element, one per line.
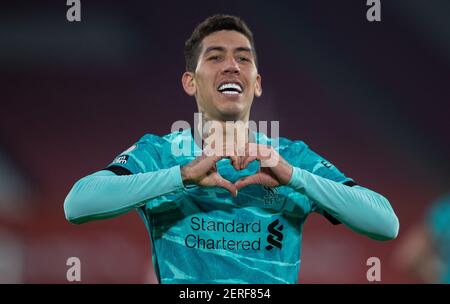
<point>204,235</point>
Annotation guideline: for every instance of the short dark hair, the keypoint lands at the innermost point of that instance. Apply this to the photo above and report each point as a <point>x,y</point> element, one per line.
<point>213,24</point>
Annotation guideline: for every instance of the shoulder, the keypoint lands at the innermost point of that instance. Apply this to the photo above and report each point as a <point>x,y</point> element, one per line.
<point>283,145</point>
<point>295,151</point>
<point>147,146</point>
<point>156,142</point>
<point>292,146</point>
<point>147,153</point>
<point>299,154</point>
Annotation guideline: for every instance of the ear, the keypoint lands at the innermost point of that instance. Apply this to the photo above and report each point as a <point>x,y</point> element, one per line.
<point>258,87</point>
<point>188,82</point>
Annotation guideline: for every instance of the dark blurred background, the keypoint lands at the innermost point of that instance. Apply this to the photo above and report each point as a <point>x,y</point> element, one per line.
<point>371,97</point>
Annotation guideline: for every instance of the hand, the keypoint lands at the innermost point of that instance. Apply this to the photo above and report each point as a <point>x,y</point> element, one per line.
<point>274,170</point>
<point>203,172</point>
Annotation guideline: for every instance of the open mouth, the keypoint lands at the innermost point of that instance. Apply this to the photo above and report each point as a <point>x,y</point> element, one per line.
<point>230,88</point>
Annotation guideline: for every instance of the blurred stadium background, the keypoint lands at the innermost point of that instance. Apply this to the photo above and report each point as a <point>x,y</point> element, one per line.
<point>370,97</point>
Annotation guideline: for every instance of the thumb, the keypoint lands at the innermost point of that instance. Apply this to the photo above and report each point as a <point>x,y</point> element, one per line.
<point>249,180</point>
<point>221,182</point>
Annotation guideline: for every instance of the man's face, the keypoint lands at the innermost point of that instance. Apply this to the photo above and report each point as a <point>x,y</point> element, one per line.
<point>226,79</point>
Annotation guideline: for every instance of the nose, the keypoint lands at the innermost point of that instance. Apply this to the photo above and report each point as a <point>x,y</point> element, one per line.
<point>231,66</point>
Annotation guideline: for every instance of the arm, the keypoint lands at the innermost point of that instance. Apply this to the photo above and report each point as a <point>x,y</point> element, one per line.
<point>104,194</point>
<point>361,209</point>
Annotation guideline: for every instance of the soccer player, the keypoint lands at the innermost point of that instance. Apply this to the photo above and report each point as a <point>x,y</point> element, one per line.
<point>226,218</point>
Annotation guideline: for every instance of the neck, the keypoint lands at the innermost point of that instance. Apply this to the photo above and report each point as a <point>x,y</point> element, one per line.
<point>224,133</point>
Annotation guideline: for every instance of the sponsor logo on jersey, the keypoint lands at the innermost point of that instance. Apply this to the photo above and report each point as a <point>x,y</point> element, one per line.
<point>275,235</point>
<point>232,235</point>
<point>228,237</point>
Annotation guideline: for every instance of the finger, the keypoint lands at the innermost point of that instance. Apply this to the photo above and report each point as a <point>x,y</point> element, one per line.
<point>240,149</point>
<point>271,161</point>
<point>249,180</point>
<point>221,182</point>
<point>247,160</point>
<point>244,156</point>
<point>212,159</point>
<point>252,149</point>
<point>265,154</point>
<point>212,147</point>
<point>206,164</point>
<point>234,162</point>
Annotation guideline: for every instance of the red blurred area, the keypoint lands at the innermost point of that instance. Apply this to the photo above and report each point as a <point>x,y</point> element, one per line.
<point>370,98</point>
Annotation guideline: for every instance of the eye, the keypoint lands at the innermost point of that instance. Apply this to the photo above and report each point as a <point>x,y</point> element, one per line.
<point>242,58</point>
<point>214,58</point>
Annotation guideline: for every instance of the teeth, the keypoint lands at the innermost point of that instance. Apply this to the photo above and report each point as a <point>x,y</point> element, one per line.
<point>226,86</point>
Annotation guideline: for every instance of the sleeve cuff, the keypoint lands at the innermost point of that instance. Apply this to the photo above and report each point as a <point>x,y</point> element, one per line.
<point>175,177</point>
<point>297,181</point>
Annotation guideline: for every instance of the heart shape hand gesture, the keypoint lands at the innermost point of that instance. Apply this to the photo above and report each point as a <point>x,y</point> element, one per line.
<point>274,169</point>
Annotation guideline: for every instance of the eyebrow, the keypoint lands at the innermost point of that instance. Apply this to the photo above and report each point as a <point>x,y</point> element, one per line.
<point>222,49</point>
